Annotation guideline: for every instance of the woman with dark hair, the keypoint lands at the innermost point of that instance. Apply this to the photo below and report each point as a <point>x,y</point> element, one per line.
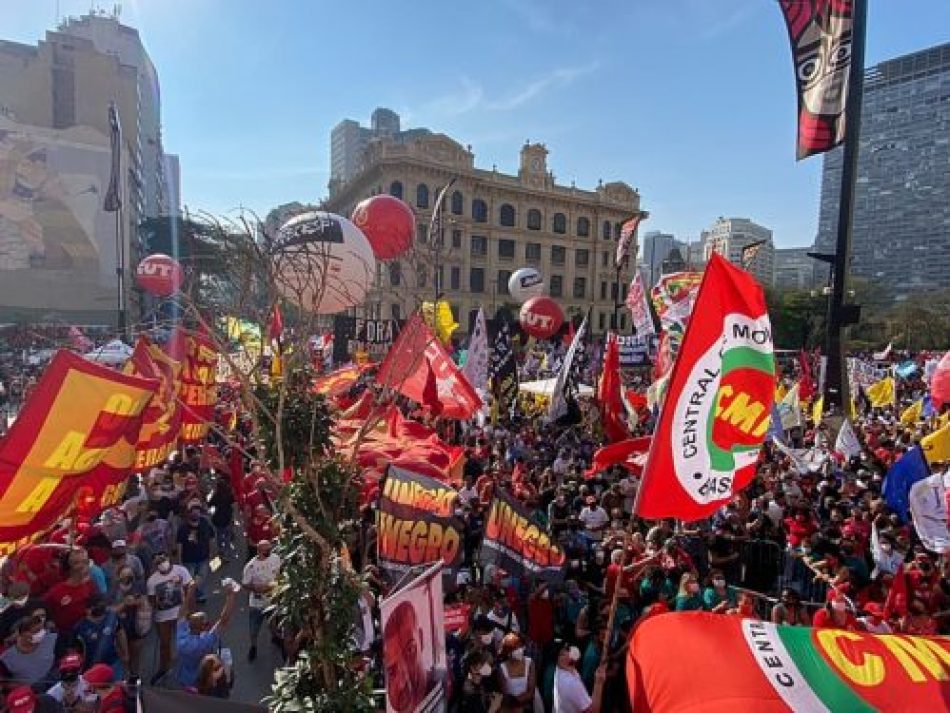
<point>213,678</point>
<point>474,696</point>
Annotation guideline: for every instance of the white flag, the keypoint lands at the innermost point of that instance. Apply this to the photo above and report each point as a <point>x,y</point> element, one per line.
<point>476,365</point>
<point>881,356</point>
<point>847,443</point>
<point>790,409</point>
<point>804,460</point>
<point>558,406</point>
<point>928,505</point>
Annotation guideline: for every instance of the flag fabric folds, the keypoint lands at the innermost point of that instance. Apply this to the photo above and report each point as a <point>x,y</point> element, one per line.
<point>476,364</point>
<point>911,467</point>
<point>627,231</point>
<point>503,370</point>
<point>566,380</point>
<point>936,446</point>
<point>940,382</point>
<point>790,409</point>
<point>928,504</point>
<point>912,414</point>
<point>406,369</point>
<point>639,307</point>
<point>612,412</point>
<point>199,360</point>
<point>847,443</point>
<point>820,35</point>
<point>806,385</point>
<point>631,454</point>
<point>882,393</point>
<point>161,420</point>
<point>716,414</point>
<point>337,382</point>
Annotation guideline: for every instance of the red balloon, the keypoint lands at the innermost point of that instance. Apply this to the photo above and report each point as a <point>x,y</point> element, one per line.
<point>388,223</point>
<point>159,275</point>
<point>541,317</point>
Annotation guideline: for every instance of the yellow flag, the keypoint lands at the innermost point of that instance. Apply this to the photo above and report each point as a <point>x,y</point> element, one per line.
<point>780,392</point>
<point>881,393</point>
<point>818,409</point>
<point>936,446</point>
<point>853,409</point>
<point>440,319</point>
<point>911,414</point>
<point>944,419</point>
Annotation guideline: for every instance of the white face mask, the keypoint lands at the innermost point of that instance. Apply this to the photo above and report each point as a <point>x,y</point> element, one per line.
<point>38,636</point>
<point>518,654</point>
<point>574,654</point>
<point>484,671</point>
<point>486,639</point>
<point>719,582</point>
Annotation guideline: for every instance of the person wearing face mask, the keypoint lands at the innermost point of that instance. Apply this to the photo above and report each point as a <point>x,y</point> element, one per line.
<point>475,695</point>
<point>156,533</point>
<point>688,597</point>
<point>517,679</point>
<point>483,637</point>
<point>570,695</point>
<point>719,597</point>
<point>194,540</point>
<point>502,618</point>
<point>30,660</point>
<point>134,612</point>
<point>120,557</point>
<point>69,599</point>
<point>101,638</point>
<point>166,592</point>
<point>835,615</point>
<point>260,576</point>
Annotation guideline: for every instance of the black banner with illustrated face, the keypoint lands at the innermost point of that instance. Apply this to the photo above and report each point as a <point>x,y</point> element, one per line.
<point>502,369</point>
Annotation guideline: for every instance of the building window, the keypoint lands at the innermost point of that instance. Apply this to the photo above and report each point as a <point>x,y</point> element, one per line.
<point>458,203</point>
<point>558,254</point>
<point>580,288</point>
<point>534,219</point>
<point>602,321</point>
<point>603,290</point>
<point>395,189</point>
<point>479,245</point>
<point>479,211</point>
<point>476,279</point>
<point>456,238</point>
<point>605,230</point>
<point>503,277</point>
<point>559,224</point>
<point>422,233</point>
<point>421,276</point>
<point>395,311</point>
<point>581,258</point>
<point>617,229</point>
<point>583,227</point>
<point>506,215</point>
<point>532,252</point>
<point>395,273</point>
<point>604,257</point>
<point>506,248</point>
<point>439,276</point>
<point>455,279</point>
<point>557,286</point>
<point>614,291</point>
<point>623,320</point>
<point>422,196</point>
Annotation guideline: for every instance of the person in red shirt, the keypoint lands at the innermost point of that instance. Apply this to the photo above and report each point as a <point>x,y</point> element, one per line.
<point>541,615</point>
<point>260,527</point>
<point>800,527</point>
<point>69,599</point>
<point>917,621</point>
<point>835,615</point>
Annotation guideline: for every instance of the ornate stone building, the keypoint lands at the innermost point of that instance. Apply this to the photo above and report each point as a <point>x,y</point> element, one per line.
<point>494,224</point>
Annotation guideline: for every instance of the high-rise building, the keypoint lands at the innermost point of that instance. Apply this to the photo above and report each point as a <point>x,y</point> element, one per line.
<point>901,230</point>
<point>349,140</point>
<point>655,246</point>
<point>494,224</point>
<point>58,247</point>
<point>729,236</point>
<point>173,180</point>
<point>794,270</point>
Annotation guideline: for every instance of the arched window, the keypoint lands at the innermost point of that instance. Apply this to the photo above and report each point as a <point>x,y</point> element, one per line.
<point>559,223</point>
<point>605,230</point>
<point>617,229</point>
<point>506,215</point>
<point>457,203</point>
<point>395,189</point>
<point>583,227</point>
<point>479,211</point>
<point>534,219</point>
<point>422,196</point>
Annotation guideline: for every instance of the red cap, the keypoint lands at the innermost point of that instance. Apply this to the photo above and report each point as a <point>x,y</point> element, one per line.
<point>99,675</point>
<point>70,662</point>
<point>21,700</point>
<point>874,609</point>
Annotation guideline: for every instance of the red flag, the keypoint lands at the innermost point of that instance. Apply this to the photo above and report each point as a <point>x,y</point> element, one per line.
<point>275,329</point>
<point>721,392</point>
<point>629,453</point>
<point>806,386</point>
<point>896,602</point>
<point>568,338</point>
<point>430,392</point>
<point>417,352</point>
<point>612,412</point>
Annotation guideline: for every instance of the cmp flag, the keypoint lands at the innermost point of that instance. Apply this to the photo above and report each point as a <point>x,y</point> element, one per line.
<point>519,545</point>
<point>820,33</point>
<point>74,439</point>
<point>417,526</point>
<point>502,369</point>
<point>198,390</point>
<point>718,407</point>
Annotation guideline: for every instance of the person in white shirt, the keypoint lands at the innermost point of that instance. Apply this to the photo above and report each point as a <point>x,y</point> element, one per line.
<point>886,558</point>
<point>166,591</point>
<point>628,489</point>
<point>595,519</point>
<point>260,575</point>
<point>468,493</point>
<point>570,695</point>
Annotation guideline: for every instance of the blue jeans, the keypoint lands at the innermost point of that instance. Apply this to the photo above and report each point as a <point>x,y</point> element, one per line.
<point>255,619</point>
<point>198,570</point>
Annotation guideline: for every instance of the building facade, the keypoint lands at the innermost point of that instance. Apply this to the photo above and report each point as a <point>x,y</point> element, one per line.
<point>901,230</point>
<point>729,236</point>
<point>794,270</point>
<point>655,247</point>
<point>494,224</point>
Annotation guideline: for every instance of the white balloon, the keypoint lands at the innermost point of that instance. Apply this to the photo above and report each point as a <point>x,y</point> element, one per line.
<point>323,262</point>
<point>525,284</point>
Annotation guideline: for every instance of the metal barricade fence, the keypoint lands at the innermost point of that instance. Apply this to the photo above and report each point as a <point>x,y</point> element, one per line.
<point>796,574</point>
<point>761,565</point>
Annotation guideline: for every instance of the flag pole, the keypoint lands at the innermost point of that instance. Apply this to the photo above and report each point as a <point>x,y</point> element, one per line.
<point>836,386</point>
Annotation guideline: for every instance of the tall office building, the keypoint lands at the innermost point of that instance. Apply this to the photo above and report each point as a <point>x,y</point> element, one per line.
<point>728,237</point>
<point>794,269</point>
<point>655,247</point>
<point>349,140</point>
<point>901,232</point>
<point>495,223</point>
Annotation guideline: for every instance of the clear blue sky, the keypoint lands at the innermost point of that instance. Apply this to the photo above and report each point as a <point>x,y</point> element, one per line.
<point>691,101</point>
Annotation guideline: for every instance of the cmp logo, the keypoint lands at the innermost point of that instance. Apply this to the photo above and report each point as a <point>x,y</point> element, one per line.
<point>723,413</point>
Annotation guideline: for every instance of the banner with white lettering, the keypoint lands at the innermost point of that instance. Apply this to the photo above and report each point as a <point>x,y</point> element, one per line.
<point>352,335</point>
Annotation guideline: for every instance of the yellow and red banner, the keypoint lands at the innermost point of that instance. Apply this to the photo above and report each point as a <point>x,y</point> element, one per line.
<point>725,663</point>
<point>198,391</point>
<point>337,382</point>
<point>74,440</point>
<point>161,421</point>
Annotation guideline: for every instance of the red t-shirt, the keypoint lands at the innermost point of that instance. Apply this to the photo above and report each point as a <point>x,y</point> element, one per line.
<point>67,603</point>
<point>257,531</point>
<point>823,620</point>
<point>540,620</point>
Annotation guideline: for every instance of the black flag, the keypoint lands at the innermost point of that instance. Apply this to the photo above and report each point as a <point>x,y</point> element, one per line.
<point>502,370</point>
<point>113,200</point>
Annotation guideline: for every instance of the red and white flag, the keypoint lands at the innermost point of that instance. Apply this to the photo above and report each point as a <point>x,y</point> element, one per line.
<point>639,307</point>
<point>626,237</point>
<point>717,409</point>
<point>612,413</point>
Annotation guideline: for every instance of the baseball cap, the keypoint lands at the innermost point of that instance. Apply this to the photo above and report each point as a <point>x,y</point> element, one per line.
<point>99,675</point>
<point>118,544</point>
<point>70,662</point>
<point>21,700</point>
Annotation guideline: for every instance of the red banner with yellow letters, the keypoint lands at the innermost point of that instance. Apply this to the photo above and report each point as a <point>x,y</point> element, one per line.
<point>161,420</point>
<point>74,440</point>
<point>197,392</point>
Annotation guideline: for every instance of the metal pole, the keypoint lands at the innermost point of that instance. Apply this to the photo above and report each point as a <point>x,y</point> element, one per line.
<point>120,274</point>
<point>836,386</point>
